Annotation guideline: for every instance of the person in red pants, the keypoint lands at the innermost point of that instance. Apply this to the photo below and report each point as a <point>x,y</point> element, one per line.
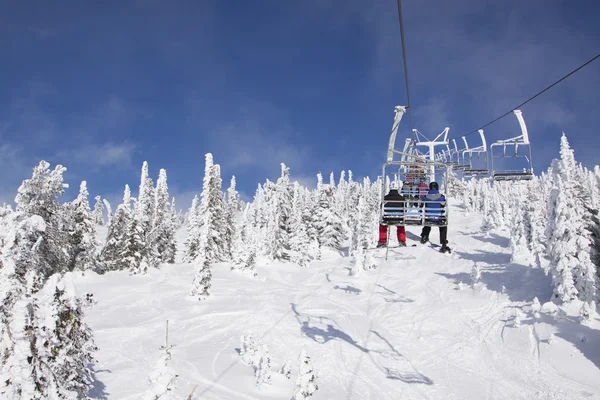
<point>393,207</point>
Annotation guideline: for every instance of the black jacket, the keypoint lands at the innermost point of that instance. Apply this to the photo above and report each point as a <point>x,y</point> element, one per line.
<point>394,195</point>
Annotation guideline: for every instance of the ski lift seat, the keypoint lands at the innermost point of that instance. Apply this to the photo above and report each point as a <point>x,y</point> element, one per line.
<point>476,172</point>
<point>513,176</point>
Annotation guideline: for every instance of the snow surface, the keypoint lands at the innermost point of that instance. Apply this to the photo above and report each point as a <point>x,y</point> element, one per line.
<point>416,327</point>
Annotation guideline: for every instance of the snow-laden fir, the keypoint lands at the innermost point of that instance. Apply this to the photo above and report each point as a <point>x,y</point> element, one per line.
<point>286,297</point>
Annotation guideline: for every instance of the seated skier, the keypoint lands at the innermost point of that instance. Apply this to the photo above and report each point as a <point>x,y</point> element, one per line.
<point>435,213</point>
<point>394,207</point>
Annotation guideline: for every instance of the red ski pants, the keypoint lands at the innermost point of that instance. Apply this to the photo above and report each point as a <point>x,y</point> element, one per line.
<point>400,233</point>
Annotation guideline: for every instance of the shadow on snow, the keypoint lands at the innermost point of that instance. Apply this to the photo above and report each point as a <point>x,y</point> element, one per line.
<point>323,330</point>
<point>98,389</point>
<point>520,283</point>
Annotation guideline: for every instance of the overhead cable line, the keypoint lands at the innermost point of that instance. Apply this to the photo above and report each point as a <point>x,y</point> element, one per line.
<point>405,66</point>
<point>529,99</point>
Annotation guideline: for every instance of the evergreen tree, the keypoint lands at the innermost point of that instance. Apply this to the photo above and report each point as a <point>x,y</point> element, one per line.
<point>83,232</point>
<point>192,242</point>
<point>519,227</point>
<point>278,216</point>
<point>38,196</point>
<point>328,223</point>
<point>571,240</point>
<point>163,230</point>
<point>232,209</point>
<point>45,346</point>
<point>109,214</point>
<point>299,239</point>
<point>305,383</point>
<point>98,210</point>
<point>142,238</point>
<point>209,243</point>
<point>113,254</point>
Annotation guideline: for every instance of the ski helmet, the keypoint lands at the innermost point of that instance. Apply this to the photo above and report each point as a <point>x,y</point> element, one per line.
<point>434,186</point>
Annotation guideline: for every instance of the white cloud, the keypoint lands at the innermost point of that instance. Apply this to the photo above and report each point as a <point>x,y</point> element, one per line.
<point>258,136</point>
<point>98,155</point>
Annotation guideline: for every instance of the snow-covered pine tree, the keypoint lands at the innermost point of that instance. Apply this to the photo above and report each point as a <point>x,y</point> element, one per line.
<point>109,214</point>
<point>519,227</point>
<point>162,378</point>
<point>573,273</point>
<point>231,211</point>
<point>210,243</point>
<point>38,196</point>
<point>537,218</point>
<point>299,239</point>
<point>278,217</point>
<point>305,383</point>
<point>194,224</point>
<point>136,249</point>
<point>170,240</point>
<point>83,232</point>
<point>112,255</point>
<point>144,206</point>
<point>141,243</point>
<point>45,346</point>
<point>163,231</point>
<point>98,210</point>
<point>327,222</point>
<point>262,373</point>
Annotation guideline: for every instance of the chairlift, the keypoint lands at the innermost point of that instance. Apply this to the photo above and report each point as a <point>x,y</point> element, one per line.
<point>471,171</point>
<point>411,164</point>
<point>526,173</point>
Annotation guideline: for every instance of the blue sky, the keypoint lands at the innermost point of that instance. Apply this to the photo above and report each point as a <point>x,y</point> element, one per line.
<point>102,86</point>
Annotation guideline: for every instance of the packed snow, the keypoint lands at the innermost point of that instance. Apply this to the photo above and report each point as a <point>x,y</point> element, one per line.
<point>421,325</point>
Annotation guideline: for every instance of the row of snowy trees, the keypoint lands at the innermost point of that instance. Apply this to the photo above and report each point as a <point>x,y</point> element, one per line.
<point>553,222</point>
<point>45,346</point>
<point>285,222</point>
<point>142,236</point>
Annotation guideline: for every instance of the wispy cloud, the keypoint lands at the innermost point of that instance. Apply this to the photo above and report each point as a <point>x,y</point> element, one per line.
<point>258,135</point>
<point>15,166</point>
<point>100,155</point>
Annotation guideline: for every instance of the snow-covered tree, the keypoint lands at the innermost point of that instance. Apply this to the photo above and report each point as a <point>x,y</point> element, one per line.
<point>298,239</point>
<point>231,211</point>
<point>38,197</point>
<point>113,254</point>
<point>162,378</point>
<point>192,242</point>
<point>327,222</point>
<point>278,197</point>
<point>83,232</point>
<point>162,237</point>
<point>109,214</point>
<point>210,243</point>
<point>98,210</point>
<point>573,273</point>
<point>262,373</point>
<point>306,382</point>
<point>518,231</point>
<point>45,346</point>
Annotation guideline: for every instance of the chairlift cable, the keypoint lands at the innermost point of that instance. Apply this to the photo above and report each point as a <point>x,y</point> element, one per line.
<point>528,100</point>
<point>405,67</point>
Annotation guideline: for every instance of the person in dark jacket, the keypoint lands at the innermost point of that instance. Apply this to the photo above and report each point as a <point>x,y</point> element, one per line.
<point>394,208</point>
<point>435,204</point>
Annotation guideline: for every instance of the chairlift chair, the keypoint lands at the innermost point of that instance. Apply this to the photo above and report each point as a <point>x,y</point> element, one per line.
<point>471,171</point>
<point>526,173</point>
<point>410,164</point>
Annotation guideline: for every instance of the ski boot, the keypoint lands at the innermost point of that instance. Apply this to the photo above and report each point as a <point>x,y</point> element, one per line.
<point>445,249</point>
<point>424,239</point>
<point>381,244</point>
<point>402,244</point>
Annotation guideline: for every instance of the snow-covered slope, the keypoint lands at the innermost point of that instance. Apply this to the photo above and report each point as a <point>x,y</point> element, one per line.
<point>413,328</point>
